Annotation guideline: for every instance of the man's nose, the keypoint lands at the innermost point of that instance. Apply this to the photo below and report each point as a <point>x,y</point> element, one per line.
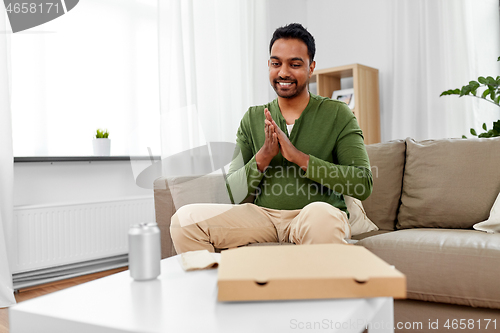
<point>284,72</point>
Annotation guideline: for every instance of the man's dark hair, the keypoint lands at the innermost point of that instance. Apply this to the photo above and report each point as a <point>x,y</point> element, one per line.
<point>297,31</point>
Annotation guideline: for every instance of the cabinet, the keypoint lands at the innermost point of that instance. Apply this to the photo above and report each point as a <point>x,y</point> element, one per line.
<point>366,94</point>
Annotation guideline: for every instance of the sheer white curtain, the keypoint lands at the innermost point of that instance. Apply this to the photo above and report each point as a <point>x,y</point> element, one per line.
<point>213,66</point>
<point>440,45</point>
<point>94,67</point>
<point>6,166</point>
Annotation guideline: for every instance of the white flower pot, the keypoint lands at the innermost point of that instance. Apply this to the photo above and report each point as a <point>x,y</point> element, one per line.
<point>102,147</point>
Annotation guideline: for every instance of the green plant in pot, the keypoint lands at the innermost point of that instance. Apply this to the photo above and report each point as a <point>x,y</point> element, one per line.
<point>490,94</point>
<point>100,134</point>
<point>101,143</point>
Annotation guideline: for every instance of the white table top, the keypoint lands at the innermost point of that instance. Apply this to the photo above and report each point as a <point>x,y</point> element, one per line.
<point>180,301</point>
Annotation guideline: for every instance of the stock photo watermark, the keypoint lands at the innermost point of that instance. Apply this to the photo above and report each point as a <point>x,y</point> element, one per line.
<point>359,324</point>
<point>329,324</point>
<point>24,15</point>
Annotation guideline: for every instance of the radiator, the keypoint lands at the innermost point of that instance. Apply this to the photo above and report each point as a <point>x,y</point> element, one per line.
<point>52,238</point>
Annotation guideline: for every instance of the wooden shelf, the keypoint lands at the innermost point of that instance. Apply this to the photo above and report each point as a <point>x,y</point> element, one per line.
<point>366,94</point>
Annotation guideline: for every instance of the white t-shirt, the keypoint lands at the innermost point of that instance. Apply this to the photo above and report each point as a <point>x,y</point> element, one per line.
<point>289,127</point>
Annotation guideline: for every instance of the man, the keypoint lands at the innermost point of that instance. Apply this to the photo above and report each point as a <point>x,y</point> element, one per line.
<point>299,155</point>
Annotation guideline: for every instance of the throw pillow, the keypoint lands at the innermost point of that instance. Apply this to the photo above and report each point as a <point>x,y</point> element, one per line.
<point>449,183</point>
<point>387,162</point>
<point>360,223</point>
<point>491,225</point>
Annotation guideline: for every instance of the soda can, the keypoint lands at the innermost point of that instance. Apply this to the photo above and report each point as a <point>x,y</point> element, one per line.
<point>144,251</point>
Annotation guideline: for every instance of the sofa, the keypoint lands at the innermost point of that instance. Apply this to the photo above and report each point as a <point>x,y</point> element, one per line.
<point>427,195</point>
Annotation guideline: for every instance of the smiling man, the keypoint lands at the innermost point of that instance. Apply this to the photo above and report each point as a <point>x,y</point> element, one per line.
<point>297,156</point>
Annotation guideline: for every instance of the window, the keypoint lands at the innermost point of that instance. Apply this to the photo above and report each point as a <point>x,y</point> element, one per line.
<point>94,67</point>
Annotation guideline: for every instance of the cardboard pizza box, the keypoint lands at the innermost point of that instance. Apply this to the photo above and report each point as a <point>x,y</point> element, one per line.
<point>306,272</point>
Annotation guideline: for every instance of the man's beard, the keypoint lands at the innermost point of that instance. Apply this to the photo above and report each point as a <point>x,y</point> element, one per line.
<point>291,93</point>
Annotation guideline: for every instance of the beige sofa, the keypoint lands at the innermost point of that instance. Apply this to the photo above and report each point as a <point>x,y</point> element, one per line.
<point>426,197</point>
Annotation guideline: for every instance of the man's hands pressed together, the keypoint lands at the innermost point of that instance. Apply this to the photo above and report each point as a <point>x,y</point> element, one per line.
<point>277,141</point>
<point>270,148</point>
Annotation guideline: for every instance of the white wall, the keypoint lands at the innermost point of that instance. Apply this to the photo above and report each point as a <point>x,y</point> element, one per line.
<point>347,32</point>
<point>283,12</point>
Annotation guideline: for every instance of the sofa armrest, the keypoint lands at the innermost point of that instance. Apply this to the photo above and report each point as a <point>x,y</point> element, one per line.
<point>171,193</point>
<point>164,209</point>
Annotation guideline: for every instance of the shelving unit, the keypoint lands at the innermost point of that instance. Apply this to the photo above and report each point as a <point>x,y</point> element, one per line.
<point>366,94</point>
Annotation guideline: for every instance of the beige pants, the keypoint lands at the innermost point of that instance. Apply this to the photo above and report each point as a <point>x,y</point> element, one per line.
<point>208,226</point>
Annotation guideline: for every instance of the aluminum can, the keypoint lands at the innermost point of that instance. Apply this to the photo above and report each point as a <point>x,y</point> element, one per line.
<point>144,251</point>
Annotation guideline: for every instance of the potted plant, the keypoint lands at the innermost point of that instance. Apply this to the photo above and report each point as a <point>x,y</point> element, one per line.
<point>490,94</point>
<point>101,143</point>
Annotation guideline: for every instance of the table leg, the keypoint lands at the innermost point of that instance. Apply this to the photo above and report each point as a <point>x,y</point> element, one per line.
<point>383,321</point>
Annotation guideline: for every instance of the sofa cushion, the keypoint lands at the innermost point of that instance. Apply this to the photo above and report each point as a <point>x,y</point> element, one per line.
<point>358,220</point>
<point>369,234</point>
<point>444,265</point>
<point>449,183</point>
<point>387,161</point>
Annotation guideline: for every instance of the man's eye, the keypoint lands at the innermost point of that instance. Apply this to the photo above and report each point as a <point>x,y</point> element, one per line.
<point>275,64</point>
<point>296,65</point>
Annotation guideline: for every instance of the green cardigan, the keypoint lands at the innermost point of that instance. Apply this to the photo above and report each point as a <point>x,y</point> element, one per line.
<point>328,132</point>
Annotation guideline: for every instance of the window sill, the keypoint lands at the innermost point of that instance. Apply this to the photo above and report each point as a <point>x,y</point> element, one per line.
<point>31,159</point>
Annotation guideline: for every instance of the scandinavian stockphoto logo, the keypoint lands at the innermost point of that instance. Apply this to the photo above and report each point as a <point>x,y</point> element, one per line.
<point>25,15</point>
<point>186,174</point>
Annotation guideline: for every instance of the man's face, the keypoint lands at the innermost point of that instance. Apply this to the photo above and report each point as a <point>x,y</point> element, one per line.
<point>289,67</point>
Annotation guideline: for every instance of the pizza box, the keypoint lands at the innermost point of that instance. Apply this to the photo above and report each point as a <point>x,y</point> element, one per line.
<point>315,271</point>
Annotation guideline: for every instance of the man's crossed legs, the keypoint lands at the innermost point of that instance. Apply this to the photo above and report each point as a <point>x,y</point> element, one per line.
<point>208,226</point>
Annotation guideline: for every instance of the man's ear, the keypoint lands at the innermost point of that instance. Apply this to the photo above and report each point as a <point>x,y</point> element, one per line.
<point>311,68</point>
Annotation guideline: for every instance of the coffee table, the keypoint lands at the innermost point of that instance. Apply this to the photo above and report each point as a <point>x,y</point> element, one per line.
<point>180,301</point>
